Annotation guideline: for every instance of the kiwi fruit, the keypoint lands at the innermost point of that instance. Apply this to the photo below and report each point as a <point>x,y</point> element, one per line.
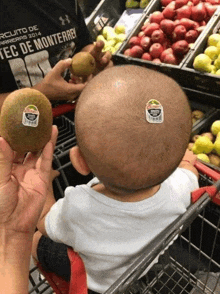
<point>26,120</point>
<point>83,64</point>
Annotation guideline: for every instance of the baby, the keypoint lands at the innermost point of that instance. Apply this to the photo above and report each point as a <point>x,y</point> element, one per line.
<point>133,127</point>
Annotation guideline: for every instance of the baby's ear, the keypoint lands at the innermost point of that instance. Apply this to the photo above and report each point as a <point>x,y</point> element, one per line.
<point>78,161</point>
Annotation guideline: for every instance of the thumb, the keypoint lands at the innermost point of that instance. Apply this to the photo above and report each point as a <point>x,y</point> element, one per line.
<point>61,66</point>
<point>6,161</point>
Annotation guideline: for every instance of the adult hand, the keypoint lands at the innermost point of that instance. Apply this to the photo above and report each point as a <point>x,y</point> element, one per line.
<point>23,186</point>
<point>55,87</point>
<point>103,59</point>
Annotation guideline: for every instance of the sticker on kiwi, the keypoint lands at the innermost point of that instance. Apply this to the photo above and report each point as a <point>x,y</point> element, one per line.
<point>30,116</point>
<point>154,112</point>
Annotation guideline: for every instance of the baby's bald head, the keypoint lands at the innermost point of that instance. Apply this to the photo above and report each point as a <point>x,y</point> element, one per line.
<point>120,146</point>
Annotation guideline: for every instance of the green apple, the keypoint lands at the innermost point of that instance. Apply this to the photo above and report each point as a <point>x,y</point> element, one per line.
<point>120,37</point>
<point>212,52</point>
<point>217,63</point>
<point>132,4</point>
<point>202,63</point>
<point>217,72</point>
<point>213,69</point>
<point>213,39</point>
<point>109,33</point>
<point>120,29</point>
<point>118,45</point>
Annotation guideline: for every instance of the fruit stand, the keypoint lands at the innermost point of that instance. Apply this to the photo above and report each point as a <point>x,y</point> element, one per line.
<point>166,36</point>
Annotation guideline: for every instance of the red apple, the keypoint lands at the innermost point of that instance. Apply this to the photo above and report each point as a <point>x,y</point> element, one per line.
<point>170,59</point>
<point>155,50</point>
<point>127,52</point>
<point>156,60</point>
<point>180,3</point>
<point>156,17</point>
<point>198,12</point>
<point>165,52</point>
<point>202,23</point>
<point>176,22</point>
<point>135,40</point>
<point>191,36</point>
<point>136,51</point>
<point>183,12</point>
<point>144,27</point>
<point>195,2</point>
<point>157,36</point>
<point>179,33</point>
<point>141,34</point>
<point>164,3</point>
<point>188,24</point>
<point>213,2</point>
<point>151,28</point>
<point>200,29</point>
<point>146,56</point>
<point>167,43</point>
<point>145,43</point>
<point>169,11</point>
<point>167,26</point>
<point>180,48</point>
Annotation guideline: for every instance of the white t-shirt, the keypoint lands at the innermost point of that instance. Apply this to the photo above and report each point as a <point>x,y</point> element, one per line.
<point>109,234</point>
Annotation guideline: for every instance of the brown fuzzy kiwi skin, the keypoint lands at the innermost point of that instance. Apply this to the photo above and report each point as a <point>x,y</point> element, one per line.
<point>23,138</point>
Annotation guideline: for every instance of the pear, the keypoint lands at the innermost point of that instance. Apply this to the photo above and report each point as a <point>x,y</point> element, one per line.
<point>203,157</point>
<point>217,144</point>
<point>209,135</point>
<point>202,145</point>
<point>214,159</point>
<point>197,114</point>
<point>215,127</point>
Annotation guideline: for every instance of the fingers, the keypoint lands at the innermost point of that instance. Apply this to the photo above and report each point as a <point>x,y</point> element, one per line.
<point>6,161</point>
<point>61,66</point>
<point>97,50</point>
<point>54,174</point>
<point>45,161</point>
<point>75,89</point>
<point>106,58</point>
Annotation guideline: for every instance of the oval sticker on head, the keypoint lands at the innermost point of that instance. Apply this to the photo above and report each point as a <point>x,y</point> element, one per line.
<point>154,112</point>
<point>30,116</point>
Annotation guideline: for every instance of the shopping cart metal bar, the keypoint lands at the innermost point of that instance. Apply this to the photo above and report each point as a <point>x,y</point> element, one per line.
<point>166,238</point>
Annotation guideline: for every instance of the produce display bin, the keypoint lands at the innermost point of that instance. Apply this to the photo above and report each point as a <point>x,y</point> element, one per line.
<point>205,124</point>
<point>171,70</point>
<point>205,82</point>
<point>206,109</point>
<point>106,13</point>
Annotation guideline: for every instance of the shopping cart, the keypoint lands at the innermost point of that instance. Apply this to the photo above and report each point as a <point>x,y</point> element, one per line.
<point>183,259</point>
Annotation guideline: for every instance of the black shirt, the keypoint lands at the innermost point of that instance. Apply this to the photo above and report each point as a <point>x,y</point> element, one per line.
<point>34,36</point>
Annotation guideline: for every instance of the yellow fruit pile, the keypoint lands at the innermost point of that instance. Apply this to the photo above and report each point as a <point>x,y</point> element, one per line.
<point>112,37</point>
<point>209,60</point>
<point>136,4</point>
<point>207,145</point>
